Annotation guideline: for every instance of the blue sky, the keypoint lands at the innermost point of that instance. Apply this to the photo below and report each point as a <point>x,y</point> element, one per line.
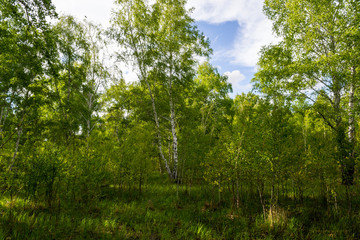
<point>236,28</point>
<point>223,37</point>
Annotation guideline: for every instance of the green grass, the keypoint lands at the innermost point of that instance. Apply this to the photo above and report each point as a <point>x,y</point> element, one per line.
<point>161,212</point>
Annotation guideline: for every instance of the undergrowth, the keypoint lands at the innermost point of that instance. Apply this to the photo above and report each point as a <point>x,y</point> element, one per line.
<point>165,211</point>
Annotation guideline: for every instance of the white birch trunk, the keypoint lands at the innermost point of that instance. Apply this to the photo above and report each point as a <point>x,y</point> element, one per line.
<point>351,133</point>
<point>173,123</point>
<point>143,77</point>
<point>175,140</point>
<point>157,124</point>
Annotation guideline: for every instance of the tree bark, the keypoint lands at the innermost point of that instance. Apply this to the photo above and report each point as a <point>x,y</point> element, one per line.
<point>351,132</point>
<point>173,124</point>
<point>175,140</point>
<point>157,125</point>
<point>349,158</point>
<point>260,187</point>
<point>347,163</point>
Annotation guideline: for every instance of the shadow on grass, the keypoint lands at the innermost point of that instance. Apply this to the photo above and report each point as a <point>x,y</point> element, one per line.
<point>164,211</point>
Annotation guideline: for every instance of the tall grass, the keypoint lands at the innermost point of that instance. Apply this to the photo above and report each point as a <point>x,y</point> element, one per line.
<point>163,211</point>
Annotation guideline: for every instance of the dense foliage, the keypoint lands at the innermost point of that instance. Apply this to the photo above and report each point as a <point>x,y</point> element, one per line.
<point>84,154</point>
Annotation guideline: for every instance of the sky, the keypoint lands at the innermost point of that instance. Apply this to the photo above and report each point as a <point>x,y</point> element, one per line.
<point>237,29</point>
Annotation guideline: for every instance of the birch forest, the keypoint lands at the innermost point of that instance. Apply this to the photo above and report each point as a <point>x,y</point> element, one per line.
<point>85,154</point>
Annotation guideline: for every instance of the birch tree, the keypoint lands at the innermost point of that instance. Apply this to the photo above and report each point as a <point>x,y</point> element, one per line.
<point>96,76</point>
<point>161,42</point>
<point>25,50</point>
<point>312,61</point>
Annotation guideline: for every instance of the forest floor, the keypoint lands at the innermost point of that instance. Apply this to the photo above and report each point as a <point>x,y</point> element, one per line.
<point>165,211</point>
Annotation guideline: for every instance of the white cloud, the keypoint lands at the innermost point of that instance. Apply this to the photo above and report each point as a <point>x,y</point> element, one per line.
<point>255,29</point>
<point>249,41</point>
<point>239,83</point>
<point>215,11</point>
<point>246,88</point>
<point>130,77</point>
<point>97,11</point>
<point>235,78</point>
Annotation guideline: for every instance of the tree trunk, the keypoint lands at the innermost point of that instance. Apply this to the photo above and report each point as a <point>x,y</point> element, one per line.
<point>175,140</point>
<point>173,123</point>
<point>260,187</point>
<point>143,77</point>
<point>350,160</point>
<point>347,164</point>
<point>351,113</point>
<point>157,125</point>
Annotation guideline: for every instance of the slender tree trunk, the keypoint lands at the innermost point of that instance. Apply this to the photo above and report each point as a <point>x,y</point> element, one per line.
<point>173,123</point>
<point>157,125</point>
<point>351,131</point>
<point>347,164</point>
<point>175,140</point>
<point>143,77</point>
<point>261,196</point>
<point>160,165</point>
